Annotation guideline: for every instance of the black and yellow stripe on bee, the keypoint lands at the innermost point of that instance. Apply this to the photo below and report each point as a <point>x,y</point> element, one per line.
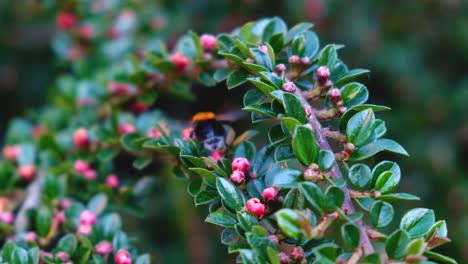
<point>208,130</point>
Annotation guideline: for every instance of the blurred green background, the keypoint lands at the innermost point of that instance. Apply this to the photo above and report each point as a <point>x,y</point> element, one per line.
<point>417,52</point>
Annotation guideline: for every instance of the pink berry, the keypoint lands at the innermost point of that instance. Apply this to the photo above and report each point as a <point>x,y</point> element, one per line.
<point>187,133</point>
<point>84,230</point>
<point>87,217</point>
<point>269,194</point>
<point>208,42</point>
<point>179,60</point>
<point>289,87</point>
<point>30,237</point>
<point>334,95</point>
<point>323,73</point>
<point>297,254</point>
<point>65,203</point>
<point>7,217</point>
<point>216,156</point>
<point>60,217</point>
<point>241,164</point>
<point>284,258</point>
<point>305,60</point>
<point>308,110</point>
<point>280,68</point>
<point>294,59</point>
<point>118,89</point>
<point>103,248</point>
<point>87,31</point>
<point>11,152</point>
<point>263,48</point>
<point>237,177</point>
<point>63,256</point>
<point>112,181</point>
<point>123,257</point>
<point>80,137</point>
<point>126,128</point>
<point>255,207</point>
<point>80,166</point>
<point>90,175</point>
<point>65,20</point>
<point>26,172</point>
<point>153,133</point>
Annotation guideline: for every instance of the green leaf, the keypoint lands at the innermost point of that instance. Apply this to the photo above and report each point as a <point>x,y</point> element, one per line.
<point>439,229</point>
<point>326,253</point>
<point>393,197</point>
<point>208,176</point>
<point>229,236</point>
<point>68,244</point>
<point>254,96</point>
<point>245,149</point>
<point>417,222</point>
<point>143,259</point>
<point>386,166</point>
<point>19,256</point>
<point>222,219</point>
<point>360,127</point>
<point>328,57</point>
<point>198,46</point>
<point>386,182</point>
<point>354,94</point>
<point>326,159</point>
<point>283,178</point>
<point>237,78</point>
<point>98,203</point>
<point>381,214</point>
<point>232,197</point>
<point>276,134</point>
<point>296,30</point>
<point>439,257</point>
<point>304,145</point>
<point>351,75</point>
<point>392,146</point>
<point>222,74</point>
<point>34,255</point>
<point>396,244</point>
<point>415,247</point>
<point>294,107</point>
<point>263,87</point>
<point>43,222</point>
<point>260,109</point>
<point>294,200</point>
<point>284,152</point>
<point>290,123</point>
<point>334,198</point>
<point>351,235</point>
<point>313,195</point>
<point>232,57</point>
<point>131,142</point>
<point>359,176</point>
<point>288,222</point>
<point>371,259</point>
<point>142,162</point>
<point>247,220</point>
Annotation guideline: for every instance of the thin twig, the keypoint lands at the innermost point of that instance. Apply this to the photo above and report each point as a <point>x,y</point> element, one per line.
<point>348,206</point>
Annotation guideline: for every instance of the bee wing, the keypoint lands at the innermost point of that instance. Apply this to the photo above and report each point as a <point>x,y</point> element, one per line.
<point>230,116</point>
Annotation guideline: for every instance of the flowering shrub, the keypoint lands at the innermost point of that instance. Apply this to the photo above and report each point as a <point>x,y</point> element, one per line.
<point>311,194</point>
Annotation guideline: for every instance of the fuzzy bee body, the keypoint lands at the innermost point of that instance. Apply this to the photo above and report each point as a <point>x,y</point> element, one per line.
<point>208,131</point>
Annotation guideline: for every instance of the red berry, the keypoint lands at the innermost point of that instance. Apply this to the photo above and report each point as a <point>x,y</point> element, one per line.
<point>270,194</point>
<point>87,218</point>
<point>216,156</point>
<point>11,152</point>
<point>179,60</point>
<point>237,177</point>
<point>140,107</point>
<point>241,164</point>
<point>153,133</point>
<point>112,181</point>
<point>27,172</point>
<point>65,20</point>
<point>87,31</point>
<point>323,73</point>
<point>30,237</point>
<point>81,166</point>
<point>80,137</point>
<point>255,207</point>
<point>59,217</point>
<point>103,248</point>
<point>123,257</point>
<point>297,254</point>
<point>208,42</point>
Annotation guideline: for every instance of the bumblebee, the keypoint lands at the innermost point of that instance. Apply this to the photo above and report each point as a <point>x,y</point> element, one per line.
<point>208,131</point>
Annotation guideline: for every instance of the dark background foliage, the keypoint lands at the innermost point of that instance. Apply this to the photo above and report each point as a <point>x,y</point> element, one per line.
<point>416,50</point>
